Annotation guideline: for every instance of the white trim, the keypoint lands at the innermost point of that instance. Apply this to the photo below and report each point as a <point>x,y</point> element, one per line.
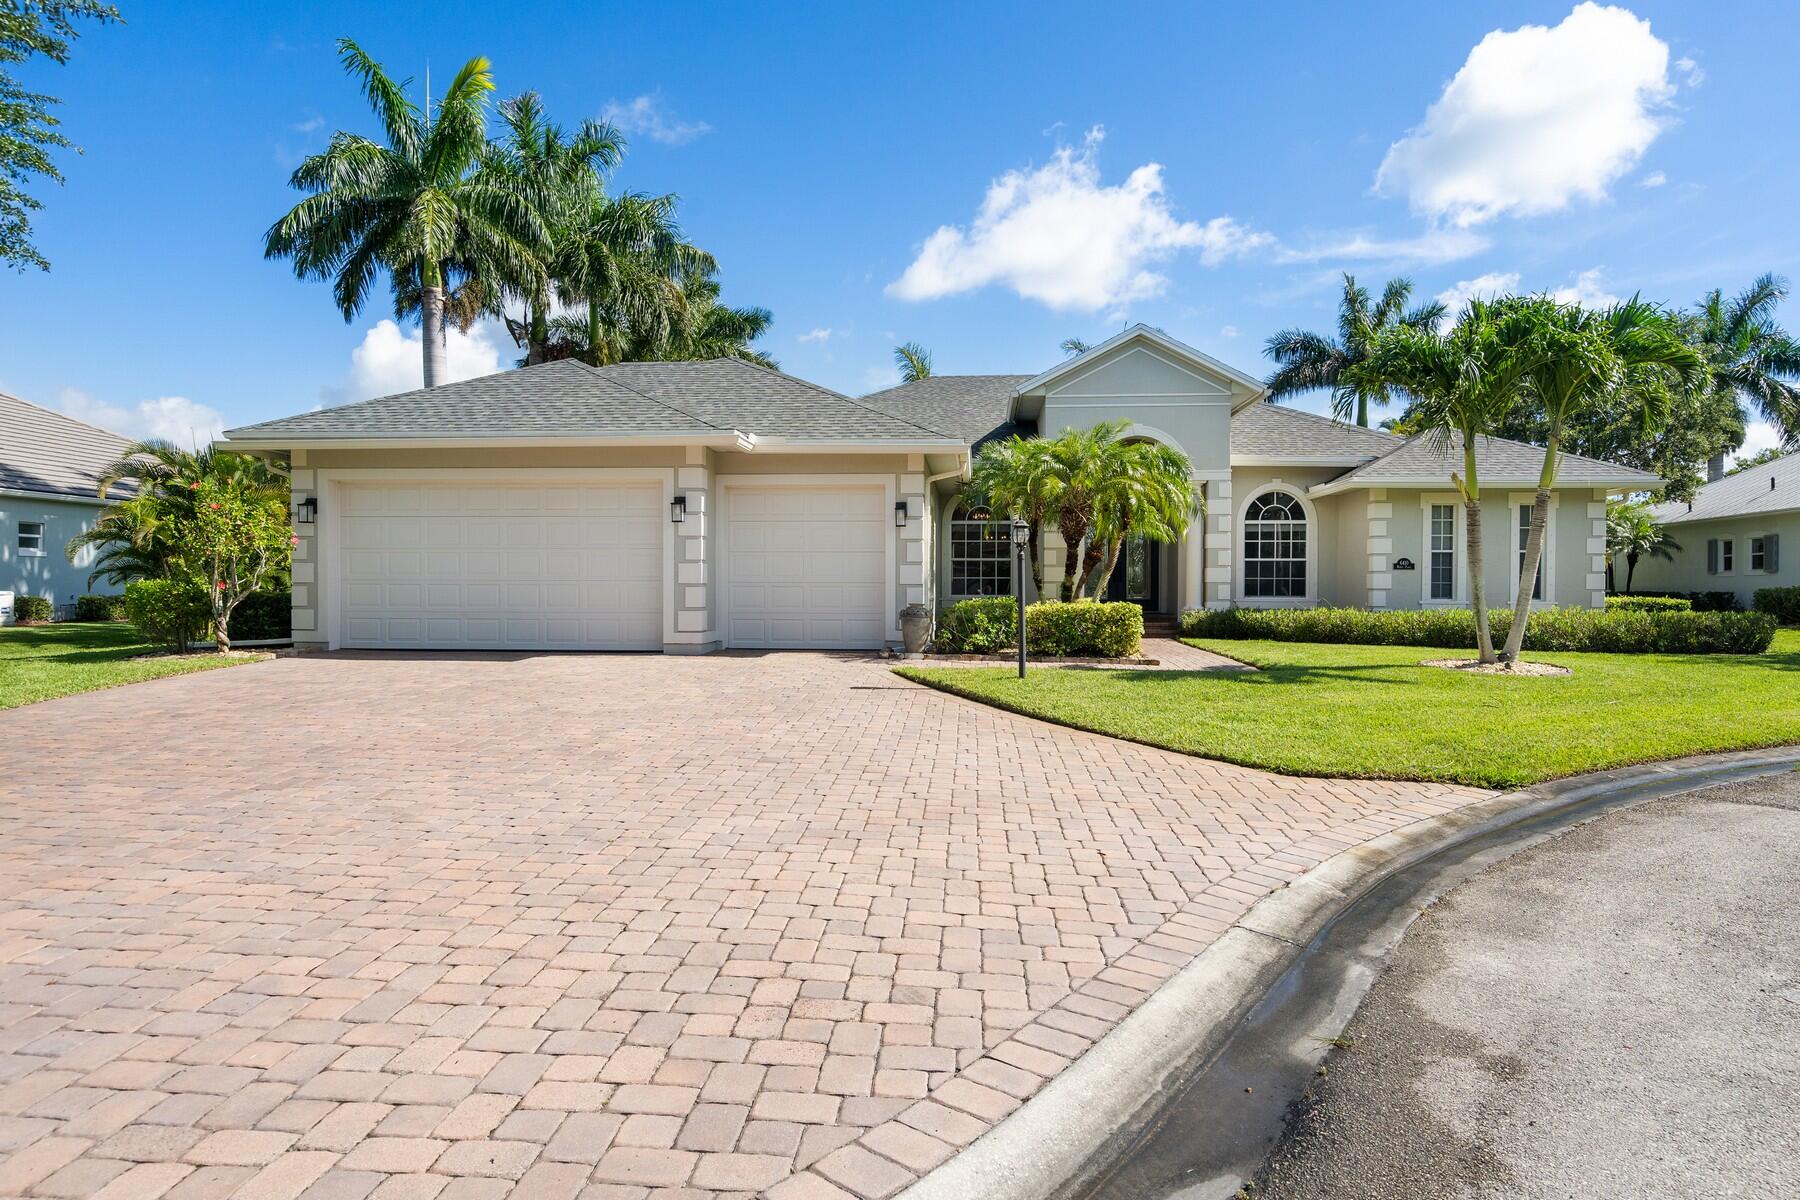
<point>1723,543</point>
<point>1546,560</point>
<point>1301,460</point>
<point>60,497</point>
<point>728,440</point>
<point>1459,574</point>
<point>1137,430</point>
<point>1236,534</point>
<point>1333,486</point>
<point>870,479</point>
<point>37,551</point>
<point>1156,338</point>
<point>330,490</point>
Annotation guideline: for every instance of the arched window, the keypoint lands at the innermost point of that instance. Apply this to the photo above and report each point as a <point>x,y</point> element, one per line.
<point>1275,548</point>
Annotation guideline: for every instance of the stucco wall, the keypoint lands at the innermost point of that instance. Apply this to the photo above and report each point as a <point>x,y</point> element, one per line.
<point>1688,573</point>
<point>50,574</point>
<point>1175,405</point>
<point>1572,553</point>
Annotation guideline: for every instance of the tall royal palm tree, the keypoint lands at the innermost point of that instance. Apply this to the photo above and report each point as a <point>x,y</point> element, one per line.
<point>1147,492</point>
<point>1580,359</point>
<point>417,205</point>
<point>1307,362</point>
<point>1464,383</point>
<point>1751,357</point>
<point>1016,477</point>
<point>913,362</point>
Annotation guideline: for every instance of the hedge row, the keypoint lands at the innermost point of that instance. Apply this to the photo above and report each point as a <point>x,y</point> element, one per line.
<point>1649,604</point>
<point>27,609</point>
<point>178,614</point>
<point>100,608</point>
<point>1700,601</point>
<point>1552,629</point>
<point>1084,629</point>
<point>1782,603</point>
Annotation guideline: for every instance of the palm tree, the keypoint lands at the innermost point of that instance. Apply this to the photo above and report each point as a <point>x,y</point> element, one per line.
<point>1073,346</point>
<point>1464,382</point>
<point>1018,478</point>
<point>1147,493</point>
<point>419,206</point>
<point>565,173</point>
<point>1579,360</point>
<point>624,260</point>
<point>914,362</point>
<point>1751,357</point>
<point>1080,463</point>
<point>709,328</point>
<point>1632,533</point>
<point>1307,362</point>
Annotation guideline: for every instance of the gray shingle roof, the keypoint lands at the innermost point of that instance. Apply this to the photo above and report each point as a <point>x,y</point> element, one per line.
<point>44,451</point>
<point>973,407</point>
<point>571,399</point>
<point>1748,493</point>
<point>1499,460</point>
<point>1276,432</point>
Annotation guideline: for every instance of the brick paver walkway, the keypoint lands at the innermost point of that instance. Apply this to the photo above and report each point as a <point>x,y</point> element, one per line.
<point>609,927</point>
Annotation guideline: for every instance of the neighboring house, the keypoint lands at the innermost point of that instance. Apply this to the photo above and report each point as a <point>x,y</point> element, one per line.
<point>48,471</point>
<point>688,506</point>
<point>1732,536</point>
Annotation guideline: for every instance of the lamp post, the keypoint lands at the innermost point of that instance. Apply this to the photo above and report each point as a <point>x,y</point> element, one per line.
<point>1021,533</point>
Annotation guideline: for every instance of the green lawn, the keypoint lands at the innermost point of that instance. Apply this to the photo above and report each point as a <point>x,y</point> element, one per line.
<point>41,662</point>
<point>1373,712</point>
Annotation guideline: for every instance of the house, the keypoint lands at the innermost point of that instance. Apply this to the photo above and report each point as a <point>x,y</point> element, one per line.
<point>690,506</point>
<point>49,465</point>
<point>1731,535</point>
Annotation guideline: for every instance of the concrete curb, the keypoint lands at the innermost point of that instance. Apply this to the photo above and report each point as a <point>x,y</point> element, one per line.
<point>1050,1143</point>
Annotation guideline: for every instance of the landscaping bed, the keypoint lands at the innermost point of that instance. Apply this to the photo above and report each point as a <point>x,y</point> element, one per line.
<point>42,662</point>
<point>1378,712</point>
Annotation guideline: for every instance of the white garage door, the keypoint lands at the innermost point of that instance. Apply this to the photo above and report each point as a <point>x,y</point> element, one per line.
<point>505,566</point>
<point>805,567</point>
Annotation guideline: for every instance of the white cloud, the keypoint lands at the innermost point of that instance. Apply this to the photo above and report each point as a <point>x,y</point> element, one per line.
<point>1759,435</point>
<point>170,418</point>
<point>646,115</point>
<point>1536,118</point>
<point>1586,291</point>
<point>391,359</point>
<point>311,124</point>
<point>817,335</point>
<point>1057,235</point>
<point>1229,331</point>
<point>1432,246</point>
<point>1654,179</point>
<point>1691,72</point>
<point>1482,287</point>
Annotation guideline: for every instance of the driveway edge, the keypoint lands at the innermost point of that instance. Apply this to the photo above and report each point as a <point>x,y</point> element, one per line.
<point>1051,1143</point>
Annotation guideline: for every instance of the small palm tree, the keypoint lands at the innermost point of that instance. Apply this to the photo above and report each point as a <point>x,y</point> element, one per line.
<point>1080,462</point>
<point>1465,381</point>
<point>418,206</point>
<point>1307,362</point>
<point>1751,357</point>
<point>1633,534</point>
<point>1018,478</point>
<point>914,362</point>
<point>1148,493</point>
<point>1074,346</point>
<point>1580,359</point>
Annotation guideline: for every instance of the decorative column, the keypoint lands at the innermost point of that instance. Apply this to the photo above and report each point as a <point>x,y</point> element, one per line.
<point>1380,549</point>
<point>915,537</point>
<point>1192,592</point>
<point>694,621</point>
<point>304,613</point>
<point>1596,544</point>
<point>1218,544</point>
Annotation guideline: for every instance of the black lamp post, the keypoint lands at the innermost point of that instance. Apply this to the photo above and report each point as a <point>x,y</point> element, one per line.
<point>1021,533</point>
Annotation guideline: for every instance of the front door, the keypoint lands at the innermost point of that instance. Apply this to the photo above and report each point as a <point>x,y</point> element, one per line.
<point>1137,576</point>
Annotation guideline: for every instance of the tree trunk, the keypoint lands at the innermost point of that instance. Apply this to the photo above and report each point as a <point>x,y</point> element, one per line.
<point>1471,490</point>
<point>431,309</point>
<point>1609,575</point>
<point>1106,567</point>
<point>1034,551</point>
<point>1534,550</point>
<point>594,334</point>
<point>1091,555</point>
<point>1631,561</point>
<point>1073,531</point>
<point>538,339</point>
<point>1362,411</point>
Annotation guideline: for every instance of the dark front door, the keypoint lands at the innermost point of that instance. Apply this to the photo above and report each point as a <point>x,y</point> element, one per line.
<point>1137,577</point>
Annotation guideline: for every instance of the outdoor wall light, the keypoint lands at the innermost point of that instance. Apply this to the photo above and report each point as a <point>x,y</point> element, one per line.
<point>307,511</point>
<point>900,514</point>
<point>678,509</point>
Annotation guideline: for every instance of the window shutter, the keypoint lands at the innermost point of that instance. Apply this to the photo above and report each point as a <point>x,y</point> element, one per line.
<point>1712,556</point>
<point>1771,559</point>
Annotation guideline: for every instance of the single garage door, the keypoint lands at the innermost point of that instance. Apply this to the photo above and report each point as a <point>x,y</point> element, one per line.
<point>502,566</point>
<point>805,567</point>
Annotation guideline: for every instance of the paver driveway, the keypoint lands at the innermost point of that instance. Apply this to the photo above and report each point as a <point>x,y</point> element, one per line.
<point>470,926</point>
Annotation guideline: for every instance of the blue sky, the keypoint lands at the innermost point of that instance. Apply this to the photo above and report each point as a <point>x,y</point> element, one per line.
<point>986,179</point>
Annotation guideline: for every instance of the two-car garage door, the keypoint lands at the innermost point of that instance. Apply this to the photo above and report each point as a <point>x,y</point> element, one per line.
<point>507,566</point>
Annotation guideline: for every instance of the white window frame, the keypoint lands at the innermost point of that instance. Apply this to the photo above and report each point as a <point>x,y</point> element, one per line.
<point>1003,538</point>
<point>1759,549</point>
<point>1459,575</point>
<point>1311,596</point>
<point>1727,556</point>
<point>1546,562</point>
<point>43,532</point>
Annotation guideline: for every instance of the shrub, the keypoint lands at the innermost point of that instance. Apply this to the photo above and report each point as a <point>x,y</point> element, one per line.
<point>174,612</point>
<point>28,610</point>
<point>1649,604</point>
<point>1701,601</point>
<point>263,617</point>
<point>1084,628</point>
<point>980,626</point>
<point>1551,629</point>
<point>1782,603</point>
<point>99,608</point>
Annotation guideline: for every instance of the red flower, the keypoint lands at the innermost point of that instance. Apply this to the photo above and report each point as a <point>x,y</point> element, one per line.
<point>221,585</point>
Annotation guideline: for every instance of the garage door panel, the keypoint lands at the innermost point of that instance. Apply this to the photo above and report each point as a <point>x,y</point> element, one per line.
<point>566,566</point>
<point>806,566</point>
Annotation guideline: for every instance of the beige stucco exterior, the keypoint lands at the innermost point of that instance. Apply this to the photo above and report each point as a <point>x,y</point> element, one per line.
<point>1687,571</point>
